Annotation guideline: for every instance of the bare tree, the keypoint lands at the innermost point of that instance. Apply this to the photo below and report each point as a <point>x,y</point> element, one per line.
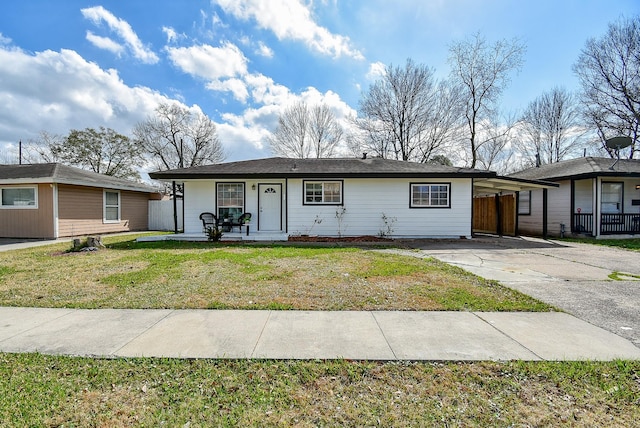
<point>40,150</point>
<point>609,72</point>
<point>324,131</point>
<point>406,114</point>
<point>482,70</point>
<point>305,132</point>
<point>177,137</point>
<point>551,125</point>
<point>497,150</point>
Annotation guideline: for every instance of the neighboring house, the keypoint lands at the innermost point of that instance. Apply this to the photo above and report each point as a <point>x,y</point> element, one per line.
<point>596,196</point>
<point>333,197</point>
<point>51,200</point>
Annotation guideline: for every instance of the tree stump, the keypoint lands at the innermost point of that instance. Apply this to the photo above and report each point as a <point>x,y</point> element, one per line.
<point>95,241</point>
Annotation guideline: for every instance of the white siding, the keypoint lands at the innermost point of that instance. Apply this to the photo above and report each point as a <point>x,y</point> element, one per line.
<point>200,196</point>
<point>558,208</point>
<point>584,196</point>
<point>365,201</point>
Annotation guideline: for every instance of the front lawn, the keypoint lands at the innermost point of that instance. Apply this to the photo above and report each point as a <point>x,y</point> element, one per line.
<point>128,274</point>
<point>38,390</point>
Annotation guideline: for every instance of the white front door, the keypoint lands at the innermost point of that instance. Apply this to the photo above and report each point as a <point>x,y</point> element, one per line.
<point>270,207</point>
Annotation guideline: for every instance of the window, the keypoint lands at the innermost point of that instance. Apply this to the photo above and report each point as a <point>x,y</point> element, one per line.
<point>230,200</point>
<point>323,192</point>
<point>19,197</point>
<point>430,195</point>
<point>111,206</point>
<point>612,198</point>
<point>524,203</point>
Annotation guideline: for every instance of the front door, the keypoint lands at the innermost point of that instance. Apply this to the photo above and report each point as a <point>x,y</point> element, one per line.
<point>270,207</point>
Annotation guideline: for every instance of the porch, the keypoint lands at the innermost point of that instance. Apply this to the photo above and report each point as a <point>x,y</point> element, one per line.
<point>610,224</point>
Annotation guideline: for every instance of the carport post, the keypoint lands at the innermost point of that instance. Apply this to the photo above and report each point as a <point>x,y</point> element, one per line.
<point>498,216</point>
<point>175,208</point>
<point>544,213</point>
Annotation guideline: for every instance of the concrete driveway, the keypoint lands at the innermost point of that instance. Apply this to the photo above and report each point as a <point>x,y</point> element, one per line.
<point>570,276</point>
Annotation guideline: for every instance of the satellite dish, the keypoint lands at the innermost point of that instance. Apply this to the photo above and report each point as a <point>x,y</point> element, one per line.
<point>617,143</point>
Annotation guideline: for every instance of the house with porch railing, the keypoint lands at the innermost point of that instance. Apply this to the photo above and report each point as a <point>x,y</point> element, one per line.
<point>597,197</point>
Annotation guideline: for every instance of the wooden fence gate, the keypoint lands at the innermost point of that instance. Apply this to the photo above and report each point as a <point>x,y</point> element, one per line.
<point>495,214</point>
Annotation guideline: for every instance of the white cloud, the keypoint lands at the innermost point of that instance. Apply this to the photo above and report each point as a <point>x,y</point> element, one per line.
<point>290,19</point>
<point>376,70</point>
<point>58,91</point>
<point>264,50</point>
<point>210,62</point>
<point>105,43</point>
<point>98,14</point>
<point>236,86</point>
<point>4,40</point>
<point>171,34</point>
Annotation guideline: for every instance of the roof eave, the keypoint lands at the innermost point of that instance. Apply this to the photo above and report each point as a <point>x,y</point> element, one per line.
<point>316,175</point>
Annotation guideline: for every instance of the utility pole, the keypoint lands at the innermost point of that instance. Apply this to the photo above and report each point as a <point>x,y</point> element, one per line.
<point>20,152</point>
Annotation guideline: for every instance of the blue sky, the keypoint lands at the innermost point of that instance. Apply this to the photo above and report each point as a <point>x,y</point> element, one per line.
<point>76,64</point>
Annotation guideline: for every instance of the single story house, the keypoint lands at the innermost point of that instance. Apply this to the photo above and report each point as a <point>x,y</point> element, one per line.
<point>599,197</point>
<point>51,200</point>
<point>335,197</point>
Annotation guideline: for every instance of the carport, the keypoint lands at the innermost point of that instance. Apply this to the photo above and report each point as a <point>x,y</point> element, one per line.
<point>496,203</point>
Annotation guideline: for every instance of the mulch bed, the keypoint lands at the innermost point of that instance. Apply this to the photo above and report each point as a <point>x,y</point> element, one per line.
<point>365,238</point>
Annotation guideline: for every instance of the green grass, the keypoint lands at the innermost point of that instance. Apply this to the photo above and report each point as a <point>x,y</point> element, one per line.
<point>170,274</point>
<point>628,244</point>
<point>39,390</point>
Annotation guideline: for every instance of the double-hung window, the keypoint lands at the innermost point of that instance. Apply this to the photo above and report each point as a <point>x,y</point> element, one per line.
<point>230,200</point>
<point>524,202</point>
<point>111,206</point>
<point>430,195</point>
<point>323,192</point>
<point>19,197</point>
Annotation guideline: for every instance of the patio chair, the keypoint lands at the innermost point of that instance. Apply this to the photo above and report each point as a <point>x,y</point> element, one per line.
<point>209,220</point>
<point>243,219</point>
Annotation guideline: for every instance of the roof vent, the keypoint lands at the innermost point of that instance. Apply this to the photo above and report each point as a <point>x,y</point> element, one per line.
<point>295,167</point>
<point>364,155</point>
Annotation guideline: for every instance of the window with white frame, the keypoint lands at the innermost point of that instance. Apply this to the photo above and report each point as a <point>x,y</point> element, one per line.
<point>230,200</point>
<point>323,192</point>
<point>430,195</point>
<point>19,197</point>
<point>524,203</point>
<point>111,206</point>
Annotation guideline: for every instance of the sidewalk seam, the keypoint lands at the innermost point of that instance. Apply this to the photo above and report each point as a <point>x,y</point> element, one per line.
<point>395,357</point>
<point>253,351</point>
<point>69,310</point>
<point>506,335</point>
<point>115,352</point>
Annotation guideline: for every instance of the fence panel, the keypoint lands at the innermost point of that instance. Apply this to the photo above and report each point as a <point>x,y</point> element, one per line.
<point>161,215</point>
<point>485,216</point>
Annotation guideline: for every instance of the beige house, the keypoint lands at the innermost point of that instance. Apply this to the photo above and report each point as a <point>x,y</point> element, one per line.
<point>49,201</point>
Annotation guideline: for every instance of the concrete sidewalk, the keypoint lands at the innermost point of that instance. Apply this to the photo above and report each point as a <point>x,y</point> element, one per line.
<point>358,335</point>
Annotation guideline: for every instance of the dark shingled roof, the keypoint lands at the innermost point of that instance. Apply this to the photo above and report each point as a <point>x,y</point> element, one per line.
<point>588,167</point>
<point>63,174</point>
<point>319,168</point>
